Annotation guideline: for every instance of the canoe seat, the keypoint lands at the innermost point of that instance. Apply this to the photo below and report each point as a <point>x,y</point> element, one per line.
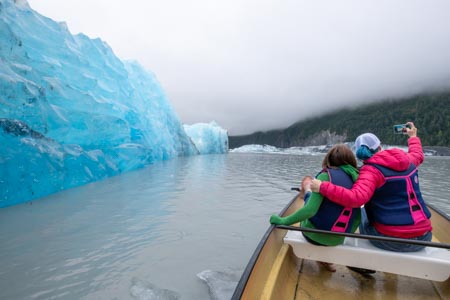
<point>429,263</point>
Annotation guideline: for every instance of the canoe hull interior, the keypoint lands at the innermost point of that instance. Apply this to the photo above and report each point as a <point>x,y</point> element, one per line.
<point>274,272</point>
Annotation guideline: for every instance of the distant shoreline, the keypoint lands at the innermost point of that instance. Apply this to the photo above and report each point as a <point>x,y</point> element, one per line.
<point>256,148</point>
<point>437,150</point>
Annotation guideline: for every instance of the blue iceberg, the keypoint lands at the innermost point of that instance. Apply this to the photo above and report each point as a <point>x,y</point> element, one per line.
<point>208,138</point>
<point>71,112</point>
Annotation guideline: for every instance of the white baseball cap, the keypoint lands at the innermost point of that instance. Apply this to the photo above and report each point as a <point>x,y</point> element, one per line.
<point>367,139</point>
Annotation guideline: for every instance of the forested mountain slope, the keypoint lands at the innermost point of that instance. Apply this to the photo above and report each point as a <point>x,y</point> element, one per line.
<point>430,113</point>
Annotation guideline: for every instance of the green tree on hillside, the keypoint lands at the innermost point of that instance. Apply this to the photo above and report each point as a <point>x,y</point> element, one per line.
<point>430,113</point>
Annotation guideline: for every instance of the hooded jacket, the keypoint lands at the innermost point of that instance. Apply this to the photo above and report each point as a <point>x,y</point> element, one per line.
<point>371,179</point>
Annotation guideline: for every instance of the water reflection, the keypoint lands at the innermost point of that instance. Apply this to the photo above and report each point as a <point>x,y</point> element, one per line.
<point>155,229</point>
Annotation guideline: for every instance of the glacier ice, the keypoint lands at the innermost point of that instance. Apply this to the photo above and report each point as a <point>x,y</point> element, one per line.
<point>308,150</point>
<point>144,290</point>
<point>221,284</point>
<point>208,137</point>
<point>71,112</point>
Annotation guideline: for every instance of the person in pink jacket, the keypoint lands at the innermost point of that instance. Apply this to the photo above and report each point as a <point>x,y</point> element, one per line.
<point>388,187</point>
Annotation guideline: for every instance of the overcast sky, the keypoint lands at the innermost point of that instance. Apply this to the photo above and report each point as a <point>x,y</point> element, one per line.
<point>264,64</point>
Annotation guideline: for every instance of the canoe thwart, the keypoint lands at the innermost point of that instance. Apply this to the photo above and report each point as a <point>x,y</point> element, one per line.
<point>430,263</point>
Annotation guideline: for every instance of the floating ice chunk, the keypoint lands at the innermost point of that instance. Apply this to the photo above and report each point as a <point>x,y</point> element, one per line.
<point>208,138</point>
<point>146,291</point>
<point>255,148</point>
<point>221,284</point>
<point>307,150</point>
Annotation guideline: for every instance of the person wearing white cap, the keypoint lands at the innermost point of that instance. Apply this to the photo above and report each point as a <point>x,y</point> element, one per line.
<point>388,187</point>
<point>366,145</point>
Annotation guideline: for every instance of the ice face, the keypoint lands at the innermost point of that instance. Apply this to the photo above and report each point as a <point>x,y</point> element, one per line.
<point>71,112</point>
<point>208,138</point>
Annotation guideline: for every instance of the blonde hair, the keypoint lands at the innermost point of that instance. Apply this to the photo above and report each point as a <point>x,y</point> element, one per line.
<point>338,155</point>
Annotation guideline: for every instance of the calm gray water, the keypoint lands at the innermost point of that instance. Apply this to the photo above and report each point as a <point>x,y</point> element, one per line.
<point>149,233</point>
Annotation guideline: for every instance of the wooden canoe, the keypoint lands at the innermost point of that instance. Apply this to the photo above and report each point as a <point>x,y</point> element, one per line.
<point>274,272</point>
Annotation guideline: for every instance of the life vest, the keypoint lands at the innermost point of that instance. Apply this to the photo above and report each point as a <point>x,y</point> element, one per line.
<point>332,216</point>
<point>399,200</point>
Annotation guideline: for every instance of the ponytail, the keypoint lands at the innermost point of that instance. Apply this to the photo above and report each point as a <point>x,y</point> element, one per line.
<point>364,152</point>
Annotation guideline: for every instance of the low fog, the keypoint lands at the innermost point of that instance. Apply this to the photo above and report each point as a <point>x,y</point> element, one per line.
<point>258,65</point>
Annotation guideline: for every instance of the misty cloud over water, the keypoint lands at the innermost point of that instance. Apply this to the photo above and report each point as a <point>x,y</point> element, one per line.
<point>257,65</point>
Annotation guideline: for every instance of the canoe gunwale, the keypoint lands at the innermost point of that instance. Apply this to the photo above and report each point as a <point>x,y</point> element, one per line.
<point>368,237</point>
<point>439,211</point>
<point>249,268</point>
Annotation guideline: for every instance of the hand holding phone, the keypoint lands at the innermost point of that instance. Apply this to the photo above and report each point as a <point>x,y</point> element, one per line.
<point>411,130</point>
<point>407,128</point>
<point>400,128</point>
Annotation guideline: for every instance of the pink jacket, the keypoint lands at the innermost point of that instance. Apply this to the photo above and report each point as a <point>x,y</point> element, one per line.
<point>371,178</point>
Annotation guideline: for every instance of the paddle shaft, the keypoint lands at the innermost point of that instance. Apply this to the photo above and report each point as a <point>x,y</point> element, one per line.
<point>368,237</point>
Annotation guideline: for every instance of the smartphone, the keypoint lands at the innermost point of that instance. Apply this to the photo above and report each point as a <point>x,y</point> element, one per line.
<point>400,128</point>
